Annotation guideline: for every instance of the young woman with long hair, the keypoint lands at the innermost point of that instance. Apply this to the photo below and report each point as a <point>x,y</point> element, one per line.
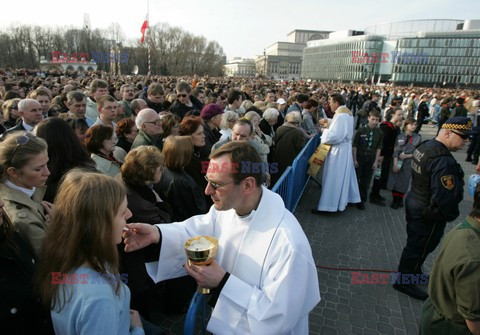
<point>78,275</point>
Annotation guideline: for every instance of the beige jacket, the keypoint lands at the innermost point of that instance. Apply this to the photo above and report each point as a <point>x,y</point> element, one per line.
<point>27,214</point>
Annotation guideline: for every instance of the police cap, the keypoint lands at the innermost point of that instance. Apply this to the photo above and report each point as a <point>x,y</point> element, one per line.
<point>459,123</point>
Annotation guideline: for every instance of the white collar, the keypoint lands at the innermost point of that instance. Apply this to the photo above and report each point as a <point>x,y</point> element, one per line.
<point>27,191</point>
<point>27,126</point>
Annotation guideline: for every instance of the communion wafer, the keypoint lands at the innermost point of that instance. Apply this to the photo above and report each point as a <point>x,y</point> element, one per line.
<point>200,244</point>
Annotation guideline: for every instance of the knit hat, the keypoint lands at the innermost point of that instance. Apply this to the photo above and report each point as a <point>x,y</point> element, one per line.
<point>210,111</point>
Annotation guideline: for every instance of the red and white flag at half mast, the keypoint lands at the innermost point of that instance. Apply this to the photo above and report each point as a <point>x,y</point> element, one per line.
<point>143,29</point>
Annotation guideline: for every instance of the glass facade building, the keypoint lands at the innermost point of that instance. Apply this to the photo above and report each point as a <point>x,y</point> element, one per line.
<point>420,52</point>
<point>449,58</point>
<point>328,60</point>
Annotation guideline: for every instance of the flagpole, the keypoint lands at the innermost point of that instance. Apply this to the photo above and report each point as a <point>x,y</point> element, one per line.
<point>148,31</point>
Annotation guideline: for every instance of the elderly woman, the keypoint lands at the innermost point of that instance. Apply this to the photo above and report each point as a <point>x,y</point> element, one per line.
<point>258,135</point>
<point>289,142</point>
<point>100,143</point>
<point>143,169</point>
<point>126,132</point>
<point>10,113</point>
<point>270,118</point>
<point>226,125</point>
<point>23,160</point>
<point>178,188</point>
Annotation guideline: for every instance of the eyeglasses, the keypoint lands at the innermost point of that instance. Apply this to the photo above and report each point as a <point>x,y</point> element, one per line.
<point>182,95</point>
<point>463,136</point>
<point>21,140</point>
<point>214,185</point>
<point>157,123</point>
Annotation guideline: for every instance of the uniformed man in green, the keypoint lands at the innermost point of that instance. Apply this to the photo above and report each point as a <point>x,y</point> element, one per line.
<point>454,288</point>
<point>367,146</point>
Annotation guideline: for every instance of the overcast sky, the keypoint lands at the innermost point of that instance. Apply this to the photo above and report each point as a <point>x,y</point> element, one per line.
<point>242,27</point>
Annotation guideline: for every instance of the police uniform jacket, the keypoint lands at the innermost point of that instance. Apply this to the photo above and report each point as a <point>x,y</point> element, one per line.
<point>437,181</point>
<point>454,287</point>
<point>27,214</point>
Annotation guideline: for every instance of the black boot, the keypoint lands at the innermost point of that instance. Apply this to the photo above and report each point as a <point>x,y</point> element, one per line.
<point>469,158</point>
<point>475,159</point>
<point>395,202</point>
<point>412,290</point>
<point>400,202</point>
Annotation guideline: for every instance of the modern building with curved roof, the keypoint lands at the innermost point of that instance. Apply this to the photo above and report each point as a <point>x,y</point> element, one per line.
<point>419,52</point>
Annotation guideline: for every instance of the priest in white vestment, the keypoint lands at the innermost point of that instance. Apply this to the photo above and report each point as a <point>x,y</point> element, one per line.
<point>264,274</point>
<point>339,181</point>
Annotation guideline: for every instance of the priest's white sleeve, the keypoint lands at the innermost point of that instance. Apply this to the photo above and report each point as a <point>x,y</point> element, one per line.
<point>337,131</point>
<point>172,251</point>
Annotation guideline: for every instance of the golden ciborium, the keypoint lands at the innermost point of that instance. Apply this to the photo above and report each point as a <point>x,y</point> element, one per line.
<point>201,250</point>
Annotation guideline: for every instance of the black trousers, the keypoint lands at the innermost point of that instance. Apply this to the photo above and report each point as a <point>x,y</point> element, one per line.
<point>382,182</point>
<point>419,124</point>
<point>364,173</point>
<point>474,147</point>
<point>422,238</point>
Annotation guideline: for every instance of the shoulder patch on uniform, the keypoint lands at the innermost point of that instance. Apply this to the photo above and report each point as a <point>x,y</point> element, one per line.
<point>448,182</point>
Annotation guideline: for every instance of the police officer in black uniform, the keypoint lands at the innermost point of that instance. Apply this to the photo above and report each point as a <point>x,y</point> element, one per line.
<point>436,191</point>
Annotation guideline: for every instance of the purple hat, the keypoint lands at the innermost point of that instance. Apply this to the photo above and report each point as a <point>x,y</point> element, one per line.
<point>210,111</point>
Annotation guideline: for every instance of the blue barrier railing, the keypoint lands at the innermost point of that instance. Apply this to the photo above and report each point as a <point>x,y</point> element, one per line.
<point>197,303</point>
<point>293,181</point>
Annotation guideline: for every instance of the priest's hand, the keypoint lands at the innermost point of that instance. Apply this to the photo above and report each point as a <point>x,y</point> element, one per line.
<point>207,276</point>
<point>140,235</point>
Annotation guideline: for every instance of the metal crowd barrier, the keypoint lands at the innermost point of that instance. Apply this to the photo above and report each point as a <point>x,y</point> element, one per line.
<point>293,181</point>
<point>197,304</point>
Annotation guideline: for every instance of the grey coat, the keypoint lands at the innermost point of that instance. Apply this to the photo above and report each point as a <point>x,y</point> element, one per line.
<point>400,181</point>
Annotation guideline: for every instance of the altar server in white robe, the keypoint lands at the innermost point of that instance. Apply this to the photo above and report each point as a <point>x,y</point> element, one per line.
<point>264,275</point>
<point>339,181</point>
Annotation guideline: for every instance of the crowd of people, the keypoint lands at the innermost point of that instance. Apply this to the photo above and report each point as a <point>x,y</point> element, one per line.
<point>83,155</point>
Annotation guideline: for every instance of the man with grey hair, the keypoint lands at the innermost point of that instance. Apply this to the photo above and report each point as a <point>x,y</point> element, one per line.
<point>76,104</point>
<point>150,129</point>
<point>30,111</point>
<point>136,106</point>
<point>243,130</point>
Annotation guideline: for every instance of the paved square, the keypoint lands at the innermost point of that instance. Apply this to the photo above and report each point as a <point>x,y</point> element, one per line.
<point>369,239</point>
